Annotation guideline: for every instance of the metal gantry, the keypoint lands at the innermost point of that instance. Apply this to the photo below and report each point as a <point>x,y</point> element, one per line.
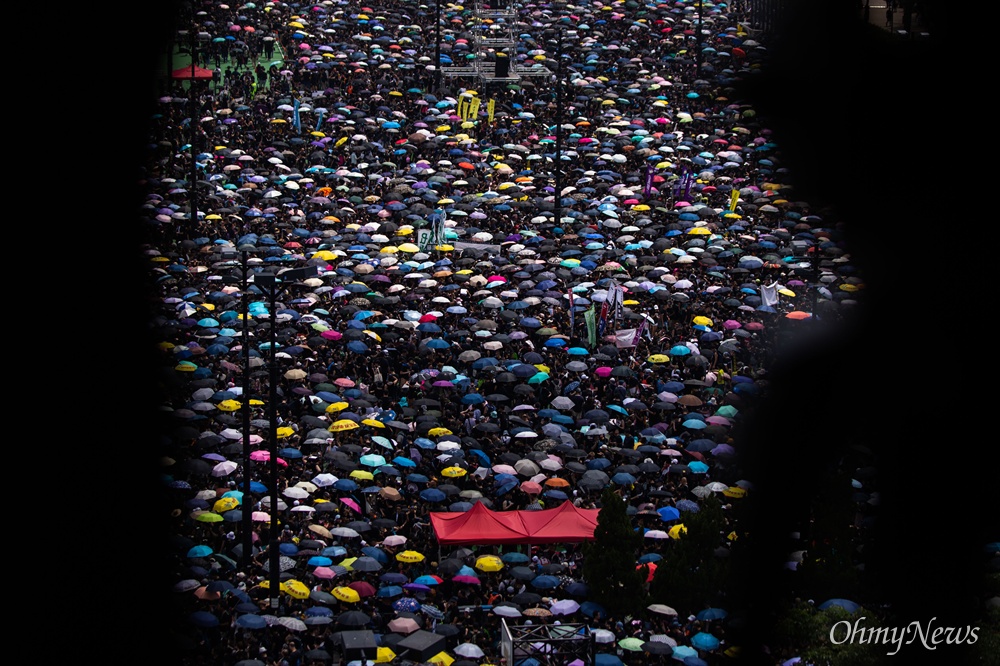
<point>491,27</point>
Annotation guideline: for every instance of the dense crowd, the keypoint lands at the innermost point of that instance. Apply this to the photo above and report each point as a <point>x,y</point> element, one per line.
<point>532,351</point>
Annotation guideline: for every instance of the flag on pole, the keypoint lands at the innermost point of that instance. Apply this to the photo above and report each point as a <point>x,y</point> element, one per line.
<point>589,317</point>
<point>649,181</point>
<point>296,119</point>
<point>319,118</point>
<point>572,317</point>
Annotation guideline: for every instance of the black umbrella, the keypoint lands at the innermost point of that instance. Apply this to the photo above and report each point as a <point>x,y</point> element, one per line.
<point>353,618</point>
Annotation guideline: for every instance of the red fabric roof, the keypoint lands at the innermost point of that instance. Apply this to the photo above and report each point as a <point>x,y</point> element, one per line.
<point>566,523</point>
<point>480,525</point>
<point>185,73</point>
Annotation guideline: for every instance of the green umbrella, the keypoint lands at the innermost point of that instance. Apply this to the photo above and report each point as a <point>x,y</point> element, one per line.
<point>631,643</point>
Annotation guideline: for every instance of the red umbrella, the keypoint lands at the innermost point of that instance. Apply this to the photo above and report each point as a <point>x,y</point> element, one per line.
<point>531,487</point>
<point>362,588</point>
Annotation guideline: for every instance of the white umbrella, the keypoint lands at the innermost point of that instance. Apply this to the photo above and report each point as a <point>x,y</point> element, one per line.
<point>469,650</point>
<point>224,468</point>
<point>295,492</point>
<point>564,607</point>
<point>324,480</point>
<point>292,623</point>
<point>509,611</point>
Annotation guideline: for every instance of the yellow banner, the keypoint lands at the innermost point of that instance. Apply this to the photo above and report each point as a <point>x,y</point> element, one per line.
<point>489,109</point>
<point>733,199</point>
<point>474,111</point>
<point>460,108</point>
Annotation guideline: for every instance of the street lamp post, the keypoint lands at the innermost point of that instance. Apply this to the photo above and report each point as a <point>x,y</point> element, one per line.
<point>274,284</point>
<point>246,523</point>
<point>559,120</point>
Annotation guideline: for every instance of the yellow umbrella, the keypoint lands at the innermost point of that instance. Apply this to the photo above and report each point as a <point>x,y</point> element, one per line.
<point>659,358</point>
<point>849,287</point>
<point>404,231</point>
<point>410,556</point>
<point>325,255</point>
<point>348,562</point>
<point>373,423</point>
<point>786,292</point>
<point>336,407</point>
<point>701,320</point>
<point>279,121</point>
<point>317,133</point>
<point>640,207</point>
<point>442,658</point>
<point>347,594</point>
<point>225,504</point>
<point>389,249</point>
<point>453,472</point>
<point>734,491</point>
<point>372,334</point>
<point>208,517</point>
<point>489,563</point>
<point>384,655</point>
<point>543,368</point>
<point>342,425</point>
<point>675,531</point>
<point>295,588</point>
<point>700,231</point>
<point>409,247</point>
<point>444,248</point>
<point>284,432</point>
<point>295,24</point>
<point>362,475</point>
<point>213,216</point>
<point>436,432</point>
<point>341,141</point>
<point>229,405</point>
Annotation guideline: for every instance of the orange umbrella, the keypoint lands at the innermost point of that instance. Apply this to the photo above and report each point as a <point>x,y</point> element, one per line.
<point>557,482</point>
<point>798,314</point>
<point>466,165</point>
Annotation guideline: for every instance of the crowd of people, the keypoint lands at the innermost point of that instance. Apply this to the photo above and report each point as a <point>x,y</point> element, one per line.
<point>461,332</point>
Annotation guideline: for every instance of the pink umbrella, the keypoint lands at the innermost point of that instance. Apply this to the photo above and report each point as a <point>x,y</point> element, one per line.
<point>351,503</point>
<point>304,46</point>
<point>603,371</point>
<point>731,325</point>
<point>324,572</point>
<point>496,278</point>
<point>470,580</point>
<point>394,540</point>
<point>344,382</point>
<point>260,516</point>
<point>718,420</point>
<point>504,469</point>
<point>754,326</point>
<point>235,28</point>
<point>331,335</point>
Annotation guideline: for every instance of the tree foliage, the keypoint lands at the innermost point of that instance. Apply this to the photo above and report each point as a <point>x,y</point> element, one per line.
<point>609,563</point>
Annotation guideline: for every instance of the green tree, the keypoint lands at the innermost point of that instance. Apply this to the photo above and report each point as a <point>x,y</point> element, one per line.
<point>609,560</point>
<point>691,576</point>
<point>805,632</point>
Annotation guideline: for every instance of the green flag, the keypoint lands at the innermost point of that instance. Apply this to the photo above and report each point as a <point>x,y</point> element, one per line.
<point>591,318</point>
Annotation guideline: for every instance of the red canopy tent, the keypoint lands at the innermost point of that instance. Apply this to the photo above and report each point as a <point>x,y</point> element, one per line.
<point>200,73</point>
<point>482,526</point>
<point>564,524</point>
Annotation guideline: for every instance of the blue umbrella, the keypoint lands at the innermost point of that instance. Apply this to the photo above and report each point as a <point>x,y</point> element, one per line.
<point>682,652</point>
<point>389,591</point>
<point>698,467</point>
<point>472,399</point>
<point>394,578</point>
<point>589,608</point>
<point>319,561</point>
<point>200,551</point>
<point>704,641</point>
<point>577,351</point>
<point>545,582</point>
<point>403,462</point>
<point>849,606</point>
<point>334,551</point>
<point>250,621</point>
<point>357,346</point>
<point>432,495</point>
<point>460,506</point>
<point>650,557</point>
<point>406,605</point>
<point>345,484</point>
<point>514,558</point>
<point>376,553</point>
<point>711,614</point>
<point>688,505</point>
<point>577,589</point>
<point>679,350</point>
<point>623,479</point>
<point>694,661</point>
<point>668,513</point>
<point>204,619</point>
<point>695,424</point>
<point>417,478</point>
<point>604,659</point>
